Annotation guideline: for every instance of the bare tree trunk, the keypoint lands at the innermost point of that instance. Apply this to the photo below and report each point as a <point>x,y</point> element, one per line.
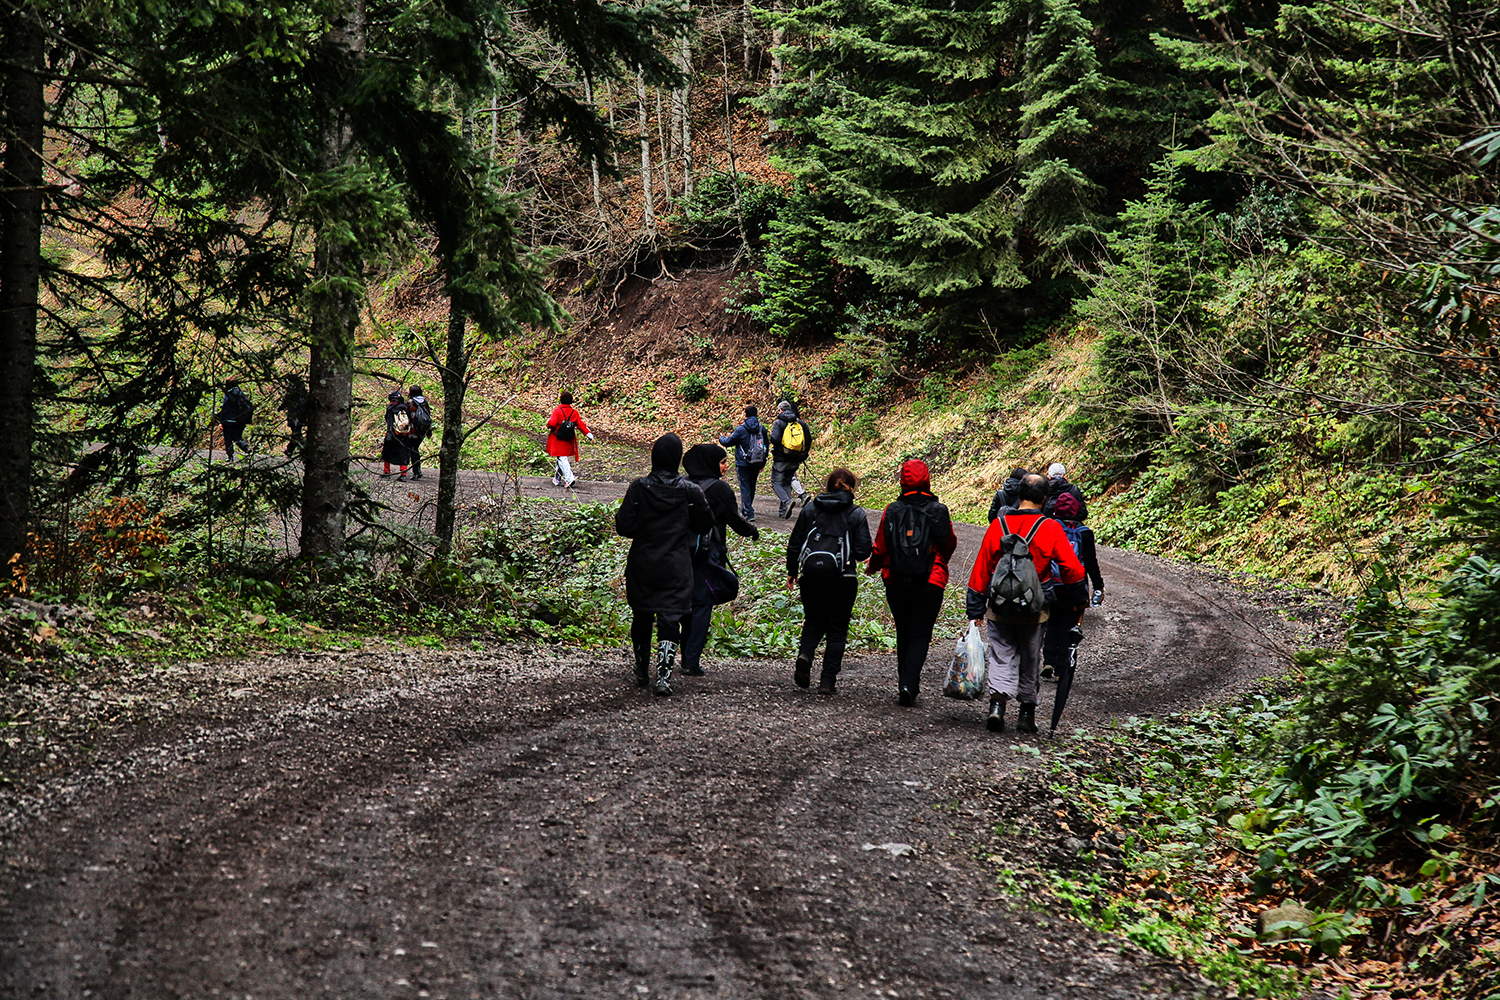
<point>588,97</point>
<point>747,43</point>
<point>648,211</point>
<point>666,150</point>
<point>455,377</point>
<point>20,269</point>
<point>778,36</point>
<point>685,116</point>
<point>333,319</point>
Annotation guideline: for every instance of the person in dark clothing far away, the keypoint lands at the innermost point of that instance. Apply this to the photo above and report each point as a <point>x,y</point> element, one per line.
<point>1007,496</point>
<point>829,540</point>
<point>294,405</point>
<point>1057,484</point>
<point>1015,637</point>
<point>752,446</point>
<point>397,428</point>
<point>705,465</point>
<point>1060,646</point>
<point>420,415</point>
<point>662,515</point>
<point>913,544</point>
<point>791,442</point>
<point>564,425</point>
<point>234,416</point>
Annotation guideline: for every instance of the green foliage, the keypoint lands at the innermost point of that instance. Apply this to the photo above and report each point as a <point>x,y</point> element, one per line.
<point>731,206</point>
<point>795,275</point>
<point>693,388</point>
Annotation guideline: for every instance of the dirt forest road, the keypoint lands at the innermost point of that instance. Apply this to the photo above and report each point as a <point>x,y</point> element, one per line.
<point>524,823</point>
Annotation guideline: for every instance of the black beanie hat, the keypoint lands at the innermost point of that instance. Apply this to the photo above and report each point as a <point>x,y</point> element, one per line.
<point>666,453</point>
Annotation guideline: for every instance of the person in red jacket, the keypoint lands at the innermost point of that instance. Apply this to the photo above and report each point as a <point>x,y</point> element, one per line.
<point>563,428</point>
<point>913,544</point>
<point>1015,647</point>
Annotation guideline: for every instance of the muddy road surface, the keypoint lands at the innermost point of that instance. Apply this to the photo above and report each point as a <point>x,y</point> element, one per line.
<point>525,823</point>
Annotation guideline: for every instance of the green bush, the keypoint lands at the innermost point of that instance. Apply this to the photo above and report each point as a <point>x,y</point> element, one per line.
<point>693,388</point>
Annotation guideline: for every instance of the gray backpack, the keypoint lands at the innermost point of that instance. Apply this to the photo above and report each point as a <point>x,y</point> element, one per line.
<point>1015,593</point>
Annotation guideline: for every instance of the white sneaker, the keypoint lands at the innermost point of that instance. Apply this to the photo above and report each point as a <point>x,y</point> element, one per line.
<point>556,481</point>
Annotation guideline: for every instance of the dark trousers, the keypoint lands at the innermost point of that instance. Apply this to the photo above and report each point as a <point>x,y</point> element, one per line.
<point>414,445</point>
<point>748,474</point>
<point>914,606</point>
<point>667,630</point>
<point>826,607</point>
<point>1060,643</point>
<point>232,431</point>
<point>696,637</point>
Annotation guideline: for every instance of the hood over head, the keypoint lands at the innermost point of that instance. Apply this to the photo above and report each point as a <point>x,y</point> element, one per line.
<point>666,453</point>
<point>915,477</point>
<point>1066,507</point>
<point>395,397</point>
<point>702,461</point>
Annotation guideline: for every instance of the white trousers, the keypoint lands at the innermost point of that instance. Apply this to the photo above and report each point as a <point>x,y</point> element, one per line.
<point>564,473</point>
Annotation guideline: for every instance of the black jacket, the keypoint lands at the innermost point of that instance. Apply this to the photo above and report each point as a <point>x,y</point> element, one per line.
<point>237,408</point>
<point>1089,556</point>
<point>1007,496</point>
<point>701,464</point>
<point>1056,487</point>
<point>661,515</point>
<point>780,454</point>
<point>823,510</point>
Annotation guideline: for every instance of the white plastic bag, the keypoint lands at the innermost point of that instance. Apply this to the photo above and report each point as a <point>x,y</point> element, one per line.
<point>966,677</point>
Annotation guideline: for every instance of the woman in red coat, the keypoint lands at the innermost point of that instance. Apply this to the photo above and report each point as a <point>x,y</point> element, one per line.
<point>563,428</point>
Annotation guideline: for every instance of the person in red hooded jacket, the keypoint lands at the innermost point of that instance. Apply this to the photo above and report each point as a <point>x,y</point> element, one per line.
<point>1014,652</point>
<point>913,544</point>
<point>563,427</point>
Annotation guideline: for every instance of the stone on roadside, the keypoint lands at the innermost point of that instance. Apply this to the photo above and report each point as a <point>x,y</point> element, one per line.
<point>1268,923</point>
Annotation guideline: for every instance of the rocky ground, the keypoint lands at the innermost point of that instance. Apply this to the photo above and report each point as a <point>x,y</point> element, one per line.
<point>522,822</point>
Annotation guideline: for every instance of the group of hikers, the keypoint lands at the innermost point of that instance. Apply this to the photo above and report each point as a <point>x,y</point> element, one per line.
<point>408,422</point>
<point>1027,589</point>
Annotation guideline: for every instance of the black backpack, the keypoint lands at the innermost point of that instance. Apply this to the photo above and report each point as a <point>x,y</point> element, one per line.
<point>825,553</point>
<point>566,431</point>
<point>421,418</point>
<point>912,535</point>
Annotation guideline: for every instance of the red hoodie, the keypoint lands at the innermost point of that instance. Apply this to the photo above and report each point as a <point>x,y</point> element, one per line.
<point>916,487</point>
<point>1050,544</point>
<point>556,448</point>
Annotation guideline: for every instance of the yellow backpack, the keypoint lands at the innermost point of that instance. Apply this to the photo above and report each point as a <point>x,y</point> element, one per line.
<point>794,438</point>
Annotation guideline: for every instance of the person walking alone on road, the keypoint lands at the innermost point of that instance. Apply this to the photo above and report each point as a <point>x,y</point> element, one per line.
<point>752,445</point>
<point>1064,632</point>
<point>294,405</point>
<point>1023,545</point>
<point>397,428</point>
<point>791,443</point>
<point>563,427</point>
<point>662,515</point>
<point>705,465</point>
<point>234,416</point>
<point>913,544</point>
<point>829,541</point>
<point>421,426</point>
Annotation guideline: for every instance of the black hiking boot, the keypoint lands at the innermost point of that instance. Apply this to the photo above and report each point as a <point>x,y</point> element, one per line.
<point>995,721</point>
<point>666,656</point>
<point>906,698</point>
<point>802,672</point>
<point>643,666</point>
<point>1026,721</point>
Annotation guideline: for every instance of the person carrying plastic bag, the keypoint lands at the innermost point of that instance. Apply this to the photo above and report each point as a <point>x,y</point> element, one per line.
<point>966,677</point>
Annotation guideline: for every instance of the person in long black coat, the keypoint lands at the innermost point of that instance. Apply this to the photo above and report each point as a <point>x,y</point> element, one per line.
<point>393,448</point>
<point>662,514</point>
<point>705,465</point>
<point>234,417</point>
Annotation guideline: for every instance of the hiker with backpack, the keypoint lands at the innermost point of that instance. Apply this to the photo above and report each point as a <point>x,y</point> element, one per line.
<point>234,416</point>
<point>294,405</point>
<point>1007,496</point>
<point>397,429</point>
<point>1008,593</point>
<point>1063,634</point>
<point>714,580</point>
<point>563,427</point>
<point>420,415</point>
<point>1057,485</point>
<point>913,544</point>
<point>791,442</point>
<point>662,514</point>
<point>752,445</point>
<point>829,540</point>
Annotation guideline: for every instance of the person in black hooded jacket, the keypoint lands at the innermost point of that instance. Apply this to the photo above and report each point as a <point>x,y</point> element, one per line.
<point>832,523</point>
<point>705,465</point>
<point>662,514</point>
<point>1008,496</point>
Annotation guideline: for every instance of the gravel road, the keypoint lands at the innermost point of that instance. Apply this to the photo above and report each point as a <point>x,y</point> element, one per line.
<point>523,823</point>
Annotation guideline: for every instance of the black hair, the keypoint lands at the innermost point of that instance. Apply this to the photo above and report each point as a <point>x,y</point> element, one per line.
<point>567,399</point>
<point>416,390</point>
<point>842,479</point>
<point>752,410</point>
<point>1033,488</point>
